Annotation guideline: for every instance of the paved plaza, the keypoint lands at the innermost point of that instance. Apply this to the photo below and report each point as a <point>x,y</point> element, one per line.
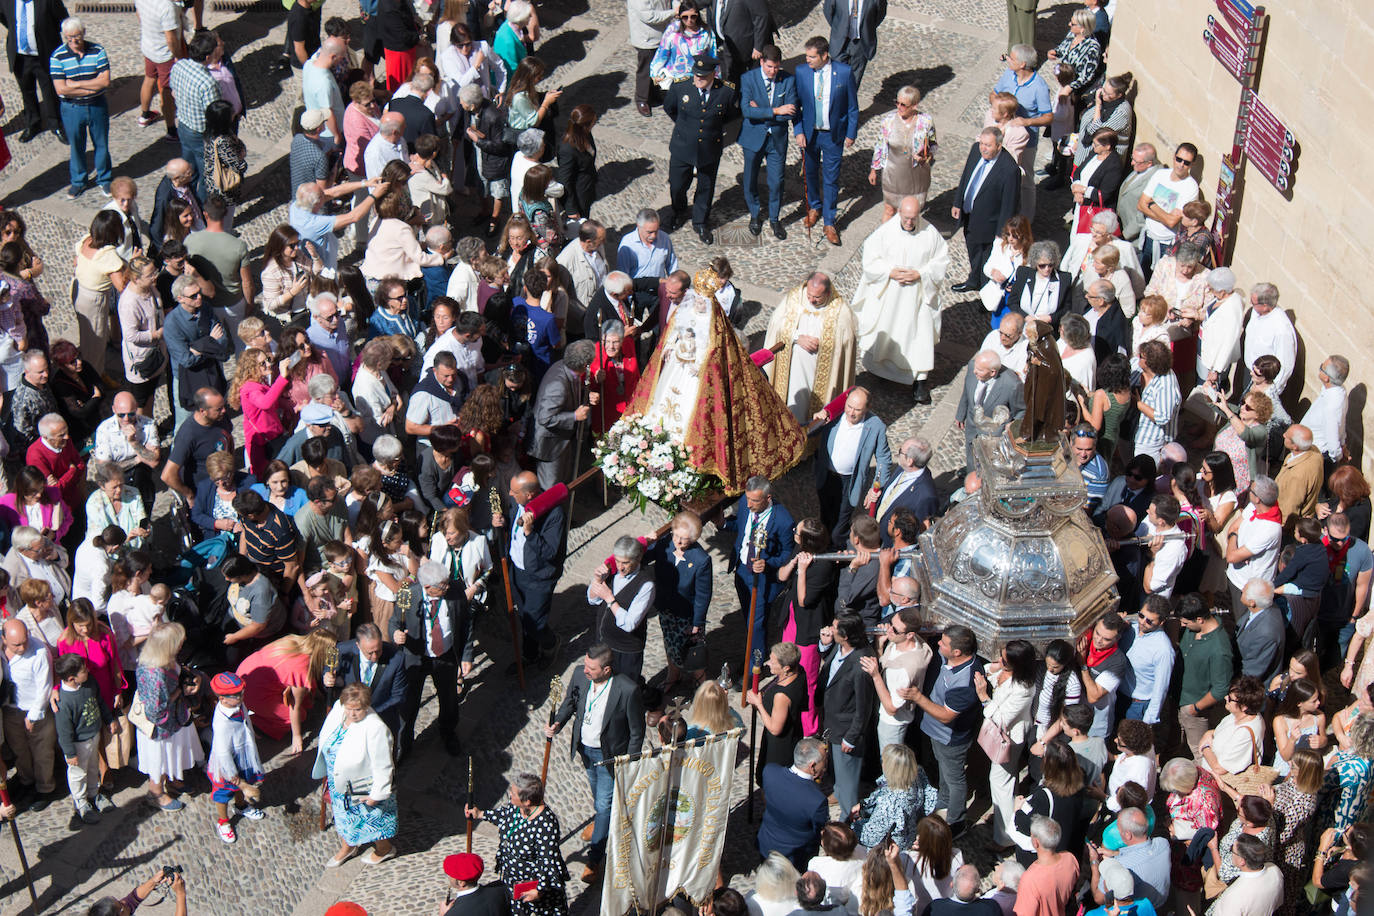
<point>950,49</point>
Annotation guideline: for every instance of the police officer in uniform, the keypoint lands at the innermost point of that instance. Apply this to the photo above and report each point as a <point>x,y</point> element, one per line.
<point>699,108</point>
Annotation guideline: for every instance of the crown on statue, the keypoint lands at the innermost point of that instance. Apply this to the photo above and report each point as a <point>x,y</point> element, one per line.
<point>706,283</point>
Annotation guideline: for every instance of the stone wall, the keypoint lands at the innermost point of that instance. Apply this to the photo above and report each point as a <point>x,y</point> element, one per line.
<point>1318,247</point>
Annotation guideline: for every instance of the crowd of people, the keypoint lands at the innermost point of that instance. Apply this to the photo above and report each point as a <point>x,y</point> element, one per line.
<point>173,592</point>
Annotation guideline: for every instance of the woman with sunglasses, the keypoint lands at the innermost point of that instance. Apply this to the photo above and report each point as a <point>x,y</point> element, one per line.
<point>287,269</point>
<point>682,42</point>
<point>1039,289</point>
<point>361,120</point>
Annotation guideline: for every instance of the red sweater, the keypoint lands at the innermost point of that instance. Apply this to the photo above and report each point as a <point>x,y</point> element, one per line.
<point>66,467</point>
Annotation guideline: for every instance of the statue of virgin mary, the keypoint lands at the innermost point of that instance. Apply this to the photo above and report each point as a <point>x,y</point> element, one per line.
<point>702,385</point>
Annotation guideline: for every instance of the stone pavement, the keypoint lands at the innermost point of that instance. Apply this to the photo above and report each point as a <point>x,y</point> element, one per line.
<point>950,49</point>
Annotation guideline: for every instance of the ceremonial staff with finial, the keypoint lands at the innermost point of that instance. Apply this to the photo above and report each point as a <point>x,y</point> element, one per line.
<point>753,726</point>
<point>469,805</point>
<point>18,844</point>
<point>503,552</point>
<point>555,698</point>
<point>331,666</point>
<point>755,549</point>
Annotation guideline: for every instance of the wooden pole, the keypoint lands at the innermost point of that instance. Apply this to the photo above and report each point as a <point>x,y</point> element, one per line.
<point>19,844</point>
<point>467,804</point>
<point>514,626</point>
<point>753,733</point>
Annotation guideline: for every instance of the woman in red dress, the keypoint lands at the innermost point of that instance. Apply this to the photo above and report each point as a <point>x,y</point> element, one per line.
<point>279,682</point>
<point>614,373</point>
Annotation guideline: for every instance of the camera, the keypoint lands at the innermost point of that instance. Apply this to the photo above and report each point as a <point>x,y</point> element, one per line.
<point>169,872</point>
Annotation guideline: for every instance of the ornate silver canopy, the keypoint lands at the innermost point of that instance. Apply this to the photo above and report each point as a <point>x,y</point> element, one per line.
<point>1019,558</point>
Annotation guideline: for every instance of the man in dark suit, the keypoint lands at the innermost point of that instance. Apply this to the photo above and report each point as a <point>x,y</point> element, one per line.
<point>561,404</point>
<point>370,660</point>
<point>854,31</point>
<point>845,695</point>
<point>827,127</point>
<point>768,101</point>
<point>1260,633</point>
<point>178,180</point>
<point>434,627</point>
<point>989,386</point>
<point>849,444</point>
<point>988,193</point>
<point>1113,331</point>
<point>763,543</point>
<point>634,303</point>
<point>608,722</point>
<point>795,808</point>
<point>742,29</point>
<point>468,898</point>
<point>909,486</point>
<point>419,119</point>
<point>699,108</point>
<point>35,31</point>
<point>537,550</point>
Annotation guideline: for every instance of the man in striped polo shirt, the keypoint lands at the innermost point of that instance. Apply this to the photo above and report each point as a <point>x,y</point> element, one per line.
<point>81,74</point>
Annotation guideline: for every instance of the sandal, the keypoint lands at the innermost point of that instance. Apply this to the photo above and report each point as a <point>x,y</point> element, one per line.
<point>336,861</point>
<point>373,859</point>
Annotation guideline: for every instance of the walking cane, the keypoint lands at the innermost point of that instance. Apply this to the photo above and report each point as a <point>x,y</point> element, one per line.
<point>555,698</point>
<point>753,731</point>
<point>577,463</point>
<point>804,197</point>
<point>495,499</point>
<point>467,805</point>
<point>756,548</point>
<point>331,665</point>
<point>18,844</point>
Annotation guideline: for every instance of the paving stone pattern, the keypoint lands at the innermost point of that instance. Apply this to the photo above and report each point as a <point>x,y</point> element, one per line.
<point>949,49</point>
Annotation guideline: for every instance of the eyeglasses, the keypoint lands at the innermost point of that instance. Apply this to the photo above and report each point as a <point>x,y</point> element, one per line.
<point>334,317</point>
<point>1181,161</point>
<point>1044,266</point>
<point>1135,475</point>
<point>196,295</point>
<point>292,245</point>
<point>1086,434</point>
<point>124,416</point>
<point>400,298</point>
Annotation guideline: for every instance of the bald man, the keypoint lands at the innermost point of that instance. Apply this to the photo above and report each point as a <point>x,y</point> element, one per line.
<point>129,439</point>
<point>387,144</point>
<point>989,386</point>
<point>1300,477</point>
<point>178,180</point>
<point>844,462</point>
<point>537,549</point>
<point>30,729</point>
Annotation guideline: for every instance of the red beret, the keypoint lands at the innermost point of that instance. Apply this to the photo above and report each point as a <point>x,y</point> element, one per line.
<point>465,866</point>
<point>345,908</point>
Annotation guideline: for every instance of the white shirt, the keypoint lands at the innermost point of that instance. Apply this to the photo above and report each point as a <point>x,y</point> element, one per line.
<point>91,575</point>
<point>1272,334</point>
<point>845,452</point>
<point>1262,538</point>
<point>1013,358</point>
<point>517,540</point>
<point>435,611</point>
<point>110,444</point>
<point>1326,419</point>
<point>1168,561</point>
<point>31,674</point>
<point>594,712</point>
<point>1253,893</point>
<point>749,533</point>
<point>379,151</point>
<point>1168,195</point>
<point>155,19</point>
<point>627,618</point>
<point>463,287</point>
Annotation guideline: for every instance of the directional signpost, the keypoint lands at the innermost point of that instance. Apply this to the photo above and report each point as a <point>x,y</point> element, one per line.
<point>1236,40</point>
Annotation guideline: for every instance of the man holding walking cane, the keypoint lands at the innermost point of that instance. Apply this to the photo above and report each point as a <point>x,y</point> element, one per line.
<point>763,543</point>
<point>560,409</point>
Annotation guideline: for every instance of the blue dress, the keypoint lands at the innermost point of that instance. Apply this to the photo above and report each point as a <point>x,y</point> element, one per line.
<point>356,821</point>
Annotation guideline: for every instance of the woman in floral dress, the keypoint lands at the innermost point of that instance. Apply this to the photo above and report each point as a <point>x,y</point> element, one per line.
<point>1345,787</point>
<point>904,153</point>
<point>355,757</point>
<point>529,852</point>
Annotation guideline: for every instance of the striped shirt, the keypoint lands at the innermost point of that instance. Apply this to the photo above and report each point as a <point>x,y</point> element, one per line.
<point>193,88</point>
<point>66,64</point>
<point>1161,395</point>
<point>272,544</point>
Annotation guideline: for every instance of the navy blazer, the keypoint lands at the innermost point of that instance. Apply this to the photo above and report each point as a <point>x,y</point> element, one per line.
<point>388,683</point>
<point>998,198</point>
<point>793,816</point>
<point>778,547</point>
<point>683,589</point>
<point>160,197</point>
<point>872,443</point>
<point>1113,332</point>
<point>410,617</point>
<point>844,104</point>
<point>918,496</point>
<point>545,547</point>
<point>846,704</point>
<point>1023,278</point>
<point>760,125</point>
<point>201,513</point>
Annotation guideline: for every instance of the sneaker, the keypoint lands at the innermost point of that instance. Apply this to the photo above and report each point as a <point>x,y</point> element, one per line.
<point>105,190</point>
<point>252,812</point>
<point>172,136</point>
<point>149,118</point>
<point>226,831</point>
<point>104,803</point>
<point>74,192</point>
<point>88,813</point>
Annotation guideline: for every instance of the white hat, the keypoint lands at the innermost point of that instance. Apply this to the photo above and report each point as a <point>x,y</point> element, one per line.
<point>313,119</point>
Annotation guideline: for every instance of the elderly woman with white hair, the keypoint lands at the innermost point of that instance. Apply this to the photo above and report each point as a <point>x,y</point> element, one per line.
<point>376,397</point>
<point>1083,246</point>
<point>516,36</point>
<point>1181,278</point>
<point>529,150</point>
<point>775,887</point>
<point>904,153</point>
<point>1039,289</point>
<point>321,229</point>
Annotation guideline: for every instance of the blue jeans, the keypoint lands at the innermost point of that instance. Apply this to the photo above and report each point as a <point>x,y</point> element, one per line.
<point>193,151</point>
<point>603,783</point>
<point>78,118</point>
<point>776,154</point>
<point>1137,709</point>
<point>823,153</point>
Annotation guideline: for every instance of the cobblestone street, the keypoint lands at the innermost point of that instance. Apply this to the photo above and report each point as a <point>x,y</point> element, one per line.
<point>950,49</point>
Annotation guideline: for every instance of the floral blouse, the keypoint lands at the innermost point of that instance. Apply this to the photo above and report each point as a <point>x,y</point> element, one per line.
<point>677,50</point>
<point>890,809</point>
<point>155,686</point>
<point>1345,791</point>
<point>1198,809</point>
<point>1085,58</point>
<point>1296,809</point>
<point>891,131</point>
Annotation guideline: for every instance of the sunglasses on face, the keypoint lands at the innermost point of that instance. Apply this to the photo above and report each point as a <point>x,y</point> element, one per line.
<point>1181,161</point>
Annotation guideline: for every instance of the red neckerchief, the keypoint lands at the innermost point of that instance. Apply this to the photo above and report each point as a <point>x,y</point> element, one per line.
<point>1272,514</point>
<point>1335,556</point>
<point>1097,656</point>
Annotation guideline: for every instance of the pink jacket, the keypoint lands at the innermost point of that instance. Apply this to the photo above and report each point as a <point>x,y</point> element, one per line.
<point>52,497</point>
<point>102,660</point>
<point>262,419</point>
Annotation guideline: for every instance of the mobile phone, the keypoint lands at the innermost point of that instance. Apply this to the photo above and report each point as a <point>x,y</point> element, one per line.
<point>293,360</point>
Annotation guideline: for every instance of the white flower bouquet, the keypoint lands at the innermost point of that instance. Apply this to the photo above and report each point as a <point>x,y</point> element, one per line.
<point>646,462</point>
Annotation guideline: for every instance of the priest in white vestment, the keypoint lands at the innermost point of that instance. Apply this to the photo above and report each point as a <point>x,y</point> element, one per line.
<point>897,304</point>
<point>818,353</point>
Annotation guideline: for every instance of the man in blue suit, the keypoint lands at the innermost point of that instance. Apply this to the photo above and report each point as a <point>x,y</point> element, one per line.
<point>825,130</point>
<point>910,487</point>
<point>763,543</point>
<point>381,666</point>
<point>768,101</point>
<point>849,443</point>
<point>795,808</point>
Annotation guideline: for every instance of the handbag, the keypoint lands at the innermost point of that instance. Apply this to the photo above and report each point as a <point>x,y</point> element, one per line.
<point>223,177</point>
<point>995,742</point>
<point>1254,777</point>
<point>1086,212</point>
<point>138,716</point>
<point>150,366</point>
